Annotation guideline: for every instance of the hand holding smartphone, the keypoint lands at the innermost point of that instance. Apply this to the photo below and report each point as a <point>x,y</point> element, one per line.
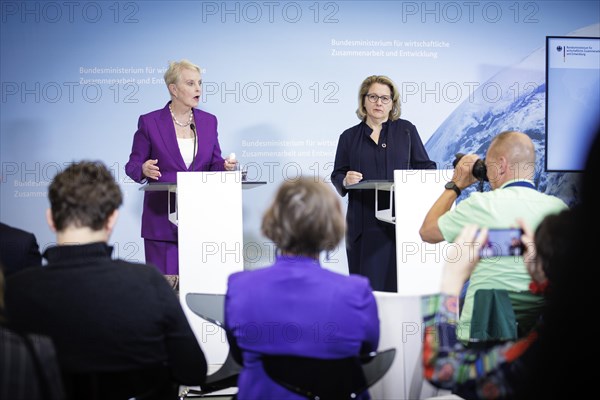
<point>503,242</point>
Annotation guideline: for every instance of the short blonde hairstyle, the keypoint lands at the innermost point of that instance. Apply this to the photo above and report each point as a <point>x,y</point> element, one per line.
<point>361,112</point>
<point>174,71</point>
<point>305,218</point>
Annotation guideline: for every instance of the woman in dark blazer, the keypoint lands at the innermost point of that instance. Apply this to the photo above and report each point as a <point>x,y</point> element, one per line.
<point>296,307</point>
<point>372,150</point>
<point>176,138</point>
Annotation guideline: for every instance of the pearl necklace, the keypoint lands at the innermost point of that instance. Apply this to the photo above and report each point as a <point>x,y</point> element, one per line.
<point>179,123</point>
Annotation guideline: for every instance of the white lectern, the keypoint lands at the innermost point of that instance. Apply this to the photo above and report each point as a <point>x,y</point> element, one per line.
<point>419,267</point>
<point>419,273</point>
<point>208,213</point>
<point>419,263</point>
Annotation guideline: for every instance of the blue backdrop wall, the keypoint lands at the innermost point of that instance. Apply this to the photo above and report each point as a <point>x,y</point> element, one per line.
<point>281,77</point>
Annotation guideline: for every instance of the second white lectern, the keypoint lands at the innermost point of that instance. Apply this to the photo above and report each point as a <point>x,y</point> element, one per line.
<point>419,267</point>
<point>412,194</point>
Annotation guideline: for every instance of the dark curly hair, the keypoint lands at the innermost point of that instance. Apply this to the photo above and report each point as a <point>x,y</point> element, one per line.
<point>84,195</point>
<point>305,218</point>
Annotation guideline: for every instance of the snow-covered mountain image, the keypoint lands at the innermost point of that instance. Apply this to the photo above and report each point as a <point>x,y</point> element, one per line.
<point>520,106</point>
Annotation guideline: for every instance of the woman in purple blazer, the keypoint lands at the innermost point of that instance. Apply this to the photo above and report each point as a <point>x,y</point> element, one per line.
<point>296,307</point>
<point>178,137</point>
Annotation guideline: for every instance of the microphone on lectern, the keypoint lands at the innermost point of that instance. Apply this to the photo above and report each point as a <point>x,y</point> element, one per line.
<point>195,144</point>
<point>409,148</point>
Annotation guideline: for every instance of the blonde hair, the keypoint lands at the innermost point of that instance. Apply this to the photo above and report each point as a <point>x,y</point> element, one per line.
<point>361,112</point>
<point>174,71</point>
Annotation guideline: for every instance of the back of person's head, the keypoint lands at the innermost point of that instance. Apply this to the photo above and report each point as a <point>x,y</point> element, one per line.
<point>590,175</point>
<point>550,238</point>
<point>83,195</point>
<point>305,218</point>
<point>570,300</point>
<point>518,150</point>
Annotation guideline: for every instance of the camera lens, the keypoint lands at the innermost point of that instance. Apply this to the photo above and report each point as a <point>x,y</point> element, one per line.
<point>479,170</point>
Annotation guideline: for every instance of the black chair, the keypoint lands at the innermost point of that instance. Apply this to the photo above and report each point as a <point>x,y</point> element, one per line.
<point>211,308</point>
<point>326,379</point>
<point>138,384</point>
<point>208,306</point>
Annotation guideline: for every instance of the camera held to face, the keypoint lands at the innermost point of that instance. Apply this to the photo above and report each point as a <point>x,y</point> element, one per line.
<point>479,170</point>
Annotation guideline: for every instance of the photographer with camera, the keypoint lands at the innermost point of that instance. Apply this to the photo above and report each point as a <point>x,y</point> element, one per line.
<point>509,167</point>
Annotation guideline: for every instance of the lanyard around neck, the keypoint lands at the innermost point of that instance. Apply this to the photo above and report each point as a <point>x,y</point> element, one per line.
<point>522,184</point>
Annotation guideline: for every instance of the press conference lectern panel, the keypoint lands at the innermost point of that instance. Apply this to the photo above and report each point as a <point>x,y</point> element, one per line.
<point>208,213</point>
<point>419,264</point>
<point>419,268</point>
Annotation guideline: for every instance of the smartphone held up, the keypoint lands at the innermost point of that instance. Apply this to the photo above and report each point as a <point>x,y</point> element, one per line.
<point>503,242</point>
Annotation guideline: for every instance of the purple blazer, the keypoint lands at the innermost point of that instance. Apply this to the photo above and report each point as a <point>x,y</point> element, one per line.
<point>155,138</point>
<point>296,307</point>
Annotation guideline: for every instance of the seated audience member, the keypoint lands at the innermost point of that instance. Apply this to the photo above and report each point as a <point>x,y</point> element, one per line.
<point>564,364</point>
<point>510,169</point>
<point>103,314</point>
<point>29,367</point>
<point>330,315</point>
<point>503,371</point>
<point>18,249</point>
<point>541,366</point>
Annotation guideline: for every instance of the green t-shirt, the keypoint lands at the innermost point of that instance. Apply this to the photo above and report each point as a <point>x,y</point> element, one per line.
<point>499,208</point>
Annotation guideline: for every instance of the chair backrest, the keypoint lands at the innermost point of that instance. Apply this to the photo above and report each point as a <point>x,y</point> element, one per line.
<point>136,384</point>
<point>211,307</point>
<point>317,378</point>
<point>208,306</point>
<point>376,364</point>
<point>500,315</point>
<point>493,318</point>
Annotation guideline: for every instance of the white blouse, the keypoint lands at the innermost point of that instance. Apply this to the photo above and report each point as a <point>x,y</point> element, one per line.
<point>186,148</point>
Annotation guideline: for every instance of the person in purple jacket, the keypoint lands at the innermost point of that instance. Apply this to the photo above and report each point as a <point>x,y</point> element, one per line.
<point>296,307</point>
<point>176,138</point>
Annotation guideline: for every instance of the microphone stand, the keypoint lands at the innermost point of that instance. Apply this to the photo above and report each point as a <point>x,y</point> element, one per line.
<point>195,144</point>
<point>409,148</point>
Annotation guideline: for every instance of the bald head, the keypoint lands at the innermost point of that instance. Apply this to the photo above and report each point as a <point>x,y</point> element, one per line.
<point>511,155</point>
